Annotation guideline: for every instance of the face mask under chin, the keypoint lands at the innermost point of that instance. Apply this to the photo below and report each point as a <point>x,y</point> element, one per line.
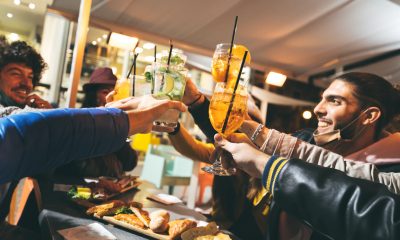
<point>336,136</point>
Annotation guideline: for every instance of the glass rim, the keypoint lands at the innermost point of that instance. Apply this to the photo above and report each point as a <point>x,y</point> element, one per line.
<point>223,44</point>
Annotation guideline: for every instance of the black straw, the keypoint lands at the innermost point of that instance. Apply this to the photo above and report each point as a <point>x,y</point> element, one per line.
<point>155,53</point>
<point>170,52</point>
<point>230,50</point>
<point>134,61</point>
<point>228,113</point>
<point>134,73</point>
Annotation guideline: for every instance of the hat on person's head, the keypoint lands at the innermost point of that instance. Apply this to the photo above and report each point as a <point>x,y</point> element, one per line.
<point>100,76</point>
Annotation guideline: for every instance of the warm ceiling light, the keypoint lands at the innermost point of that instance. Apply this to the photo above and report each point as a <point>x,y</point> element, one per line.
<point>94,43</point>
<point>122,41</point>
<point>307,115</point>
<point>99,39</point>
<point>276,79</point>
<point>13,37</point>
<point>149,45</point>
<point>17,2</point>
<point>10,15</point>
<point>138,50</point>
<point>31,5</point>
<point>105,36</point>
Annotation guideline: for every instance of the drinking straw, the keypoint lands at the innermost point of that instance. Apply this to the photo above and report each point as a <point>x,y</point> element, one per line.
<point>134,60</point>
<point>228,113</point>
<point>168,62</point>
<point>155,53</point>
<point>170,52</point>
<point>134,73</point>
<point>230,50</point>
<point>154,71</point>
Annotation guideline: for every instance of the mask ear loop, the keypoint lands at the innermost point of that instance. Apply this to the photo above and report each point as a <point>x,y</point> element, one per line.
<point>354,120</point>
<point>354,137</point>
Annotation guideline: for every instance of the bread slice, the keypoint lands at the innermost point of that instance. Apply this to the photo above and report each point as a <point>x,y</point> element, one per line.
<point>193,233</point>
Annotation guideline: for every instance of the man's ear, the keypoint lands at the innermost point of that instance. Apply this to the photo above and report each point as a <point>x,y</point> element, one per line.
<point>372,114</point>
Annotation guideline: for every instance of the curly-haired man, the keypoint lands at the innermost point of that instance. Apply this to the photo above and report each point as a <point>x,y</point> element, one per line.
<point>21,68</point>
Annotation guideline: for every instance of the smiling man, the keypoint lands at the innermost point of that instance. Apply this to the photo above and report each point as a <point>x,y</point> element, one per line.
<point>21,68</point>
<point>353,112</point>
<point>352,115</point>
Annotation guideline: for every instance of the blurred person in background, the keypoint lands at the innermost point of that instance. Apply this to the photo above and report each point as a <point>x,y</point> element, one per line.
<point>101,83</point>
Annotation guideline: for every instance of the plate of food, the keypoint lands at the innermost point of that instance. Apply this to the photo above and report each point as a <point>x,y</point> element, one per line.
<point>156,224</point>
<point>102,189</point>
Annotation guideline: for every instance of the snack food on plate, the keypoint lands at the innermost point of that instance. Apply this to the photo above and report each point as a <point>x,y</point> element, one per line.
<point>109,208</point>
<point>210,229</point>
<point>177,227</point>
<point>131,219</point>
<point>159,221</point>
<point>142,215</point>
<point>218,236</point>
<point>103,189</point>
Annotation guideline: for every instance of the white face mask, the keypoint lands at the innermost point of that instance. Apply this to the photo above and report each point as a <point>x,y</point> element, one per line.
<point>322,139</point>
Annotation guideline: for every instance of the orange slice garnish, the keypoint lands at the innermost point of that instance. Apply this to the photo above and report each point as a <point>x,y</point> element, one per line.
<point>238,51</point>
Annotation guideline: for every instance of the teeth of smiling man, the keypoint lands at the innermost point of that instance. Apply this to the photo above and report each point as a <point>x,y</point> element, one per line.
<point>21,91</point>
<point>322,124</point>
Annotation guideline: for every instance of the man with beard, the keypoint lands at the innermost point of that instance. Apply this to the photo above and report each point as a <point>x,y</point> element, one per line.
<point>352,115</point>
<point>21,68</point>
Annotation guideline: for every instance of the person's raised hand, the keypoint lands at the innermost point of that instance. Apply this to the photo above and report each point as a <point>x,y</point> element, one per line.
<point>35,101</point>
<point>244,156</point>
<point>110,97</point>
<point>192,95</point>
<point>143,111</point>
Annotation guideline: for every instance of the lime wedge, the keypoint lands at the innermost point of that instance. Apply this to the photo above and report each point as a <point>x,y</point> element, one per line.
<point>169,84</point>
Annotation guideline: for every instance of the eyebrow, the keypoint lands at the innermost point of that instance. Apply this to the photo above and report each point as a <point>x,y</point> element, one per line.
<point>17,69</point>
<point>331,96</point>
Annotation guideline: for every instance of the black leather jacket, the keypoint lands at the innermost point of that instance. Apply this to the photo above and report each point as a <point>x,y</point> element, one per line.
<point>336,205</point>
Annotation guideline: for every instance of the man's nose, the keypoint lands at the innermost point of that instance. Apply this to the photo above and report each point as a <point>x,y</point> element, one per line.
<point>27,82</point>
<point>320,109</point>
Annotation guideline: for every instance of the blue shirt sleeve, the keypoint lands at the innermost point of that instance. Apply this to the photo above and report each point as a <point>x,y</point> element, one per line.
<point>35,142</point>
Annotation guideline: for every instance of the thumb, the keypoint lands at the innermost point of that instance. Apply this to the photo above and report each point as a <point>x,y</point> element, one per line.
<point>180,106</point>
<point>163,106</point>
<point>221,142</point>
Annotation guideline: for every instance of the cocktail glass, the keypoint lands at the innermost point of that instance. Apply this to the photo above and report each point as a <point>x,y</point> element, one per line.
<point>169,82</point>
<point>123,87</point>
<point>219,105</point>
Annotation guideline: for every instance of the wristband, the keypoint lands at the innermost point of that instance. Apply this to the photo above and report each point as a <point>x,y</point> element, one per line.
<point>176,130</point>
<point>195,101</point>
<point>256,133</point>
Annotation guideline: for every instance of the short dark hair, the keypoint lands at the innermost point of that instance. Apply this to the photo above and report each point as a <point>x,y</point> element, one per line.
<point>21,52</point>
<point>373,90</point>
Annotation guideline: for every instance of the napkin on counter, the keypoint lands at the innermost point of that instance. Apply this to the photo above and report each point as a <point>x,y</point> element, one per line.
<point>94,231</point>
<point>164,198</point>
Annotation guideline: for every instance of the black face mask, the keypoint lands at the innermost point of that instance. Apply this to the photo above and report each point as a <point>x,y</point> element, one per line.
<point>336,135</point>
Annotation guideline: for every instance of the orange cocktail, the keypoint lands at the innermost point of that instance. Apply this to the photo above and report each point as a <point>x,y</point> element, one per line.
<point>219,106</point>
<point>220,63</point>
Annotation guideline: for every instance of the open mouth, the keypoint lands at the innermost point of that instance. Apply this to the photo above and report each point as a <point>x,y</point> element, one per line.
<point>324,124</point>
<point>21,93</point>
